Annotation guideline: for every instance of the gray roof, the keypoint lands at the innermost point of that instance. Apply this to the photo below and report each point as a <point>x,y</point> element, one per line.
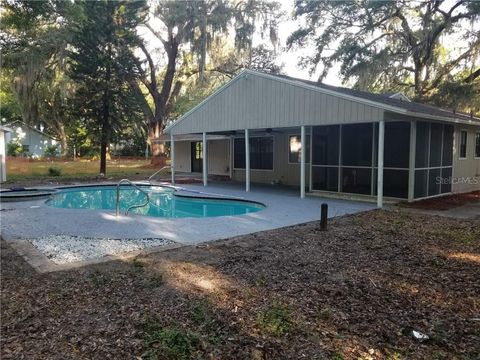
<point>414,107</point>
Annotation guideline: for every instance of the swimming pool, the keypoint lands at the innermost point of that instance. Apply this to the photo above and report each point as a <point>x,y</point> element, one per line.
<point>163,202</point>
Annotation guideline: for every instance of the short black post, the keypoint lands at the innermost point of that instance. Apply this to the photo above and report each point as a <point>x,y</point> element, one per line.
<point>323,217</point>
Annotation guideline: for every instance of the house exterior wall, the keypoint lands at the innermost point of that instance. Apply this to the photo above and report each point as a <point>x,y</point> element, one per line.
<point>36,141</point>
<point>182,156</point>
<point>255,102</point>
<point>466,172</point>
<point>283,171</point>
<point>218,156</point>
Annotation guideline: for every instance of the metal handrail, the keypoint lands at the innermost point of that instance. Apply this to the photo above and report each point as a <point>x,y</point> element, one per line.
<point>117,212</point>
<point>156,172</point>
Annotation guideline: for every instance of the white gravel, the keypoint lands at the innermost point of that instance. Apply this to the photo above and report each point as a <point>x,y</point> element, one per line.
<point>63,249</point>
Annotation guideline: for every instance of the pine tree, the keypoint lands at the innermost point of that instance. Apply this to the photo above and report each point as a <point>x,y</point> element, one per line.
<point>102,64</point>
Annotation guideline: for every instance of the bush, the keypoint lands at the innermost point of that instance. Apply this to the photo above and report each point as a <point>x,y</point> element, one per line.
<point>53,171</point>
<point>51,151</point>
<point>14,148</point>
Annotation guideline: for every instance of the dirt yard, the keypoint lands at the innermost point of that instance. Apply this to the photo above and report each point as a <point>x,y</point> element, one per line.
<point>358,290</point>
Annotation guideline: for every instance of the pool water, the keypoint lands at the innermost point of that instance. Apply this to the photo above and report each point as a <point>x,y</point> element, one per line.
<point>163,202</point>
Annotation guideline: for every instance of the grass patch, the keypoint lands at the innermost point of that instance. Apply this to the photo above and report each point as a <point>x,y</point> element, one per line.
<point>169,343</point>
<point>98,280</point>
<point>275,320</point>
<point>137,263</point>
<point>458,235</point>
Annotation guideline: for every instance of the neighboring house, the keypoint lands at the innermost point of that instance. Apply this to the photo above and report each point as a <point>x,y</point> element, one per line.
<point>3,152</point>
<point>354,141</point>
<point>33,141</point>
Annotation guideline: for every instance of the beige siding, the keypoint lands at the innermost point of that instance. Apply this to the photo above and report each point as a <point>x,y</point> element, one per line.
<point>182,156</point>
<point>256,102</point>
<point>466,172</point>
<point>218,156</point>
<point>287,174</point>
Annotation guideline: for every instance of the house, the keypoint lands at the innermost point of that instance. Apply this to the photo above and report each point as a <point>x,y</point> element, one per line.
<point>277,129</point>
<point>3,152</point>
<point>34,142</point>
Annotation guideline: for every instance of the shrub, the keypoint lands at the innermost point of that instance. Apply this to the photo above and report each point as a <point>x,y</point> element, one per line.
<point>54,171</point>
<point>14,148</point>
<point>51,151</point>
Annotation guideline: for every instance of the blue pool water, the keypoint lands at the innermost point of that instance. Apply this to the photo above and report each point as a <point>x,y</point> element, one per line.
<point>163,202</point>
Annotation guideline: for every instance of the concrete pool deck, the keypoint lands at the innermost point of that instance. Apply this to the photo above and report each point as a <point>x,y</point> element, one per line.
<point>34,219</point>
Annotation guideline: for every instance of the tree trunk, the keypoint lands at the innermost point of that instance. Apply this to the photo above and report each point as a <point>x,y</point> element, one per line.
<point>105,135</point>
<point>63,139</point>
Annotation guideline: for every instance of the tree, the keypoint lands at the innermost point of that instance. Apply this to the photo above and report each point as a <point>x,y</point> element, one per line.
<point>34,38</point>
<point>187,33</point>
<point>102,63</point>
<point>391,44</point>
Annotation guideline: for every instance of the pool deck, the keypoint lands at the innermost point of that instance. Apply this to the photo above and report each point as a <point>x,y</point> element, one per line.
<point>33,219</point>
<point>21,221</point>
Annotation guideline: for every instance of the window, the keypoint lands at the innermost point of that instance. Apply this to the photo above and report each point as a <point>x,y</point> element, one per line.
<point>25,148</point>
<point>199,150</point>
<point>477,145</point>
<point>463,144</point>
<point>295,149</point>
<point>261,153</point>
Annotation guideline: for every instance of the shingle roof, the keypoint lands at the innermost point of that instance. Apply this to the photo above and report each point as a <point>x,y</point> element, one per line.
<point>411,106</point>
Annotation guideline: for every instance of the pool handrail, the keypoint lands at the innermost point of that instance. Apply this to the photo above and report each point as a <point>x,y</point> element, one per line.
<point>156,172</point>
<point>117,207</point>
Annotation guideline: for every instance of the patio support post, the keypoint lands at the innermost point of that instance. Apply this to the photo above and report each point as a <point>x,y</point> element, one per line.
<point>411,167</point>
<point>381,141</point>
<point>172,158</point>
<point>303,151</point>
<point>205,160</point>
<point>247,162</point>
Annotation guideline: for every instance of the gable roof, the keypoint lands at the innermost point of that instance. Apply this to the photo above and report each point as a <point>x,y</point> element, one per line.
<point>380,101</point>
<point>30,127</point>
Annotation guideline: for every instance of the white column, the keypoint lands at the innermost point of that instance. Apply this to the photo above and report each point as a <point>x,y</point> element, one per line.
<point>231,158</point>
<point>411,165</point>
<point>205,160</point>
<point>381,141</point>
<point>310,172</point>
<point>172,158</point>
<point>247,162</point>
<point>302,161</point>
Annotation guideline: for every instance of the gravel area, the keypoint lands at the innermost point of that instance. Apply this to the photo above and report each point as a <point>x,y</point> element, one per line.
<point>63,249</point>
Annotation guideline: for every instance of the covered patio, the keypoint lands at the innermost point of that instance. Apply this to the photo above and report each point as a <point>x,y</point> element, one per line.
<point>260,128</point>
